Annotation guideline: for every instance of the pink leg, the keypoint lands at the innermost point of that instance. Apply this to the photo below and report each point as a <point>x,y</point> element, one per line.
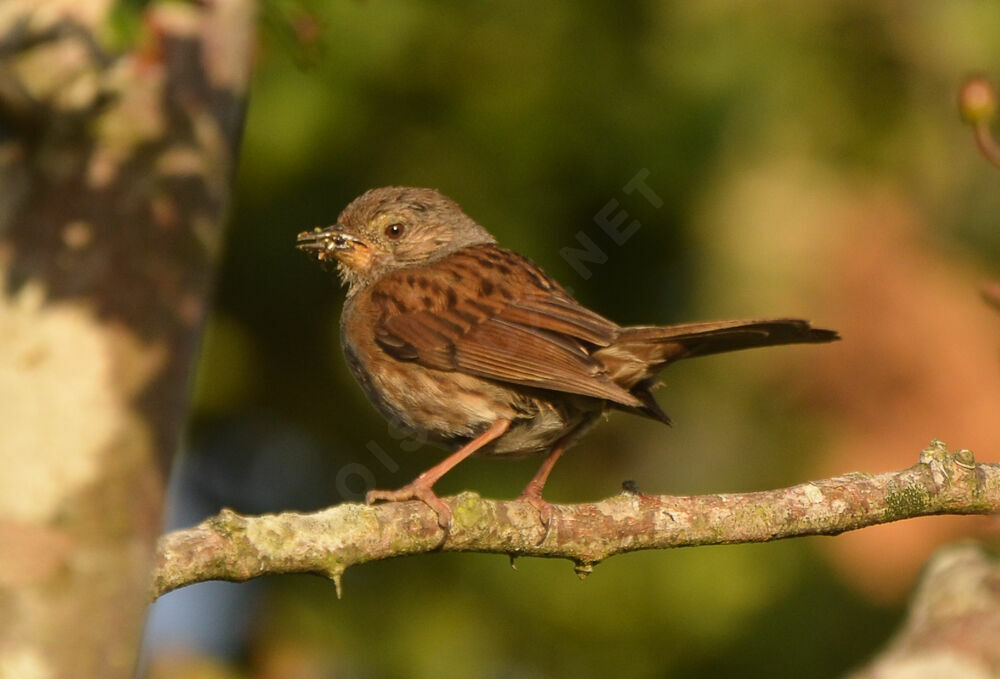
<point>532,493</point>
<point>421,487</point>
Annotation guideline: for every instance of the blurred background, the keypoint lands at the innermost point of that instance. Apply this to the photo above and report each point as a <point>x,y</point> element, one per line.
<point>797,159</point>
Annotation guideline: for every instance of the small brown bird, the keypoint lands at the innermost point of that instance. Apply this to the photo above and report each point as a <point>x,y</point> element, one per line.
<point>475,346</point>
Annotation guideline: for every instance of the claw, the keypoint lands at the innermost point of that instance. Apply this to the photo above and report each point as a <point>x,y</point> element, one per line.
<point>421,487</point>
<point>545,510</point>
<point>532,493</point>
<point>415,491</point>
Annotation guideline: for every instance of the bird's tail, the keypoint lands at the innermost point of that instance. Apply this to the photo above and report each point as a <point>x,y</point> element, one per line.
<point>640,352</point>
<point>665,344</point>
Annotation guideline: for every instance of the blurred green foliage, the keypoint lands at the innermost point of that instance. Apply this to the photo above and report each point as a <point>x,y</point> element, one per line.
<point>534,116</point>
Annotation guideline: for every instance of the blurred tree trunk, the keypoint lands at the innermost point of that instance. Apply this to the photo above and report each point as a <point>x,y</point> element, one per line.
<point>115,170</point>
<point>953,625</point>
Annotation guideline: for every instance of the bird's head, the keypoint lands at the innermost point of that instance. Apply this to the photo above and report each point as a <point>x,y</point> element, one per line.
<point>392,228</point>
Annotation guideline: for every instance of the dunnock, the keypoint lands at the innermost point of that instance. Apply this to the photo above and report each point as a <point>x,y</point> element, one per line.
<point>476,346</point>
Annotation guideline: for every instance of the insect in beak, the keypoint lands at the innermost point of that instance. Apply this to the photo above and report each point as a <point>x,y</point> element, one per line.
<point>327,242</point>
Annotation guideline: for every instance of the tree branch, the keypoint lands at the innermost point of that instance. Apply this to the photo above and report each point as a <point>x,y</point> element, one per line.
<point>237,548</point>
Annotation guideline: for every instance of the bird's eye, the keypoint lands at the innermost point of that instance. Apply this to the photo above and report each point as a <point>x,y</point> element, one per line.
<point>394,231</point>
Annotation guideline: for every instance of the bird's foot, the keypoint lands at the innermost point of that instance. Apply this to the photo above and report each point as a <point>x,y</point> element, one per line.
<point>415,491</point>
<point>533,496</point>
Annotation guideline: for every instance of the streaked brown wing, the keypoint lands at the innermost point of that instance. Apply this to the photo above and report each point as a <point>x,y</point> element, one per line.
<point>491,313</point>
<point>561,314</point>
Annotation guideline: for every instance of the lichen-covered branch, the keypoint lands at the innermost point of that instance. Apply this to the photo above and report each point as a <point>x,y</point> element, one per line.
<point>237,548</point>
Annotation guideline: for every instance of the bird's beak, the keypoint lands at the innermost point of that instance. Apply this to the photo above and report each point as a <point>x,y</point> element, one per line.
<point>327,242</point>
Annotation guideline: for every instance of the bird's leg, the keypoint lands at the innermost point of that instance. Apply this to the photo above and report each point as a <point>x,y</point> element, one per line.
<point>532,493</point>
<point>421,487</point>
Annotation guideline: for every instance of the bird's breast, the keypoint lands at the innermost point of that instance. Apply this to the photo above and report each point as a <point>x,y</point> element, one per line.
<point>445,404</point>
<point>456,406</point>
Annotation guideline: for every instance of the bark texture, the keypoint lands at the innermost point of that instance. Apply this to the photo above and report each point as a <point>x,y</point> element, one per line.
<point>115,165</point>
<point>237,548</point>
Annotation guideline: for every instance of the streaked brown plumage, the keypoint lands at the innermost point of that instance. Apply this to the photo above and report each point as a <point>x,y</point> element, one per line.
<point>474,345</point>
